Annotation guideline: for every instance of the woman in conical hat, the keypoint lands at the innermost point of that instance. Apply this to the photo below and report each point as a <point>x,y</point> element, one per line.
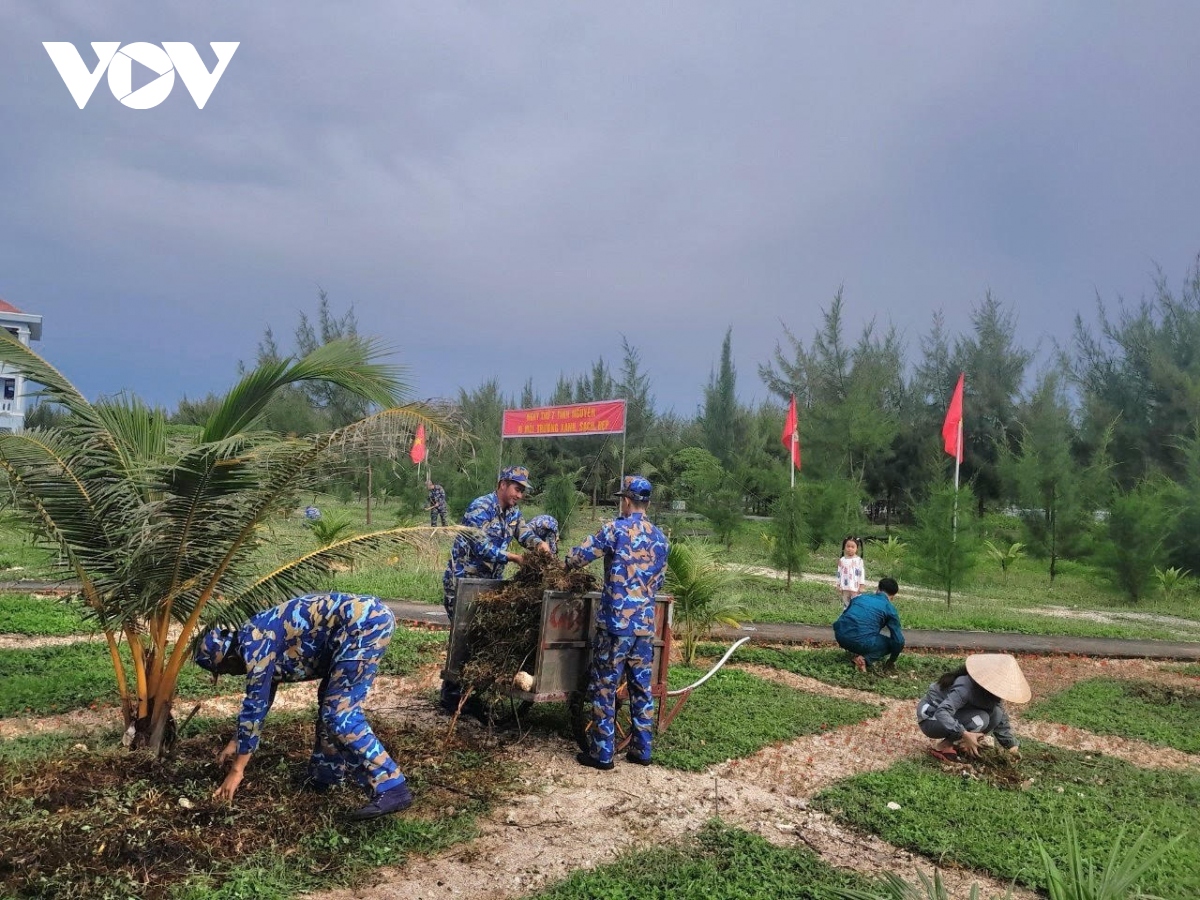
<point>968,702</point>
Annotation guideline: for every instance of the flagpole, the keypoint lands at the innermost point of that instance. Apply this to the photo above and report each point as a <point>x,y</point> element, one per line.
<point>792,461</point>
<point>957,464</point>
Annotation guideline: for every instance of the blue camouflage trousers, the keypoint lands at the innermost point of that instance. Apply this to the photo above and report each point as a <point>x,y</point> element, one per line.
<point>614,656</point>
<point>345,743</point>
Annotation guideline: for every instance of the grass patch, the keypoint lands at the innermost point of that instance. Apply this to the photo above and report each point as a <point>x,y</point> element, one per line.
<point>1134,709</point>
<point>392,582</point>
<point>991,816</point>
<point>717,862</point>
<point>41,616</point>
<point>412,648</point>
<point>913,675</point>
<point>130,835</point>
<point>45,745</point>
<point>734,714</point>
<point>21,559</point>
<point>47,680</point>
<point>813,603</point>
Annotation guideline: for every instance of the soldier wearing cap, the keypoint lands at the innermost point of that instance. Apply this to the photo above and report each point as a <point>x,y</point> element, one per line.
<point>543,528</point>
<point>496,519</point>
<point>635,561</point>
<point>968,702</point>
<point>436,502</point>
<point>338,638</point>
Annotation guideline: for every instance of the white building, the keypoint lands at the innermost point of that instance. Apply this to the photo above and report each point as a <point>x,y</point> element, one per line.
<point>25,327</point>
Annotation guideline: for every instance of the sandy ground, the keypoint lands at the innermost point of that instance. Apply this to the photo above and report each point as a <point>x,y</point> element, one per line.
<point>568,817</point>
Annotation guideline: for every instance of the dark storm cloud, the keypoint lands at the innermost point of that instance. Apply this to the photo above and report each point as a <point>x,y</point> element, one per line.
<point>663,171</point>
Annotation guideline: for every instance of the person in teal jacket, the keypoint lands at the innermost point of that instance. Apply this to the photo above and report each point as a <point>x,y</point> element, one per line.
<point>869,628</point>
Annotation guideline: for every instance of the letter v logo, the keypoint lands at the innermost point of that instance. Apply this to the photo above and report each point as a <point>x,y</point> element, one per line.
<point>196,78</point>
<point>79,81</point>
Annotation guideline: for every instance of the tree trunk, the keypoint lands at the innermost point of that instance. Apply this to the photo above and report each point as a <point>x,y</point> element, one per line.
<point>156,732</point>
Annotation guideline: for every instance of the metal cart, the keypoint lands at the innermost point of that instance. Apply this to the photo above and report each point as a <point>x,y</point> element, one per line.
<point>563,657</point>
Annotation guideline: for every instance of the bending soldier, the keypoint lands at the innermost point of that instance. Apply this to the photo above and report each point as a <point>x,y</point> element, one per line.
<point>338,638</point>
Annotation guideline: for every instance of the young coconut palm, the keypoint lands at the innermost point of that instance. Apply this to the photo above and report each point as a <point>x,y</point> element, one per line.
<point>703,591</point>
<point>164,531</point>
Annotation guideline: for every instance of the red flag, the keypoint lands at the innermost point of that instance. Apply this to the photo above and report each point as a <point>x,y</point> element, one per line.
<point>791,434</point>
<point>417,453</point>
<point>952,427</point>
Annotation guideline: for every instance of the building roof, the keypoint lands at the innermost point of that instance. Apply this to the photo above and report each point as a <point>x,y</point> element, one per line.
<point>10,314</point>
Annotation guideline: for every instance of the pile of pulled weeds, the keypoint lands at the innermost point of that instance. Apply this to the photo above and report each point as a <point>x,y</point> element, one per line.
<point>119,824</point>
<point>506,623</point>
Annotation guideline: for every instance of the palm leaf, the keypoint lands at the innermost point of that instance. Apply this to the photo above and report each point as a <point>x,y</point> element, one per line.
<point>348,363</point>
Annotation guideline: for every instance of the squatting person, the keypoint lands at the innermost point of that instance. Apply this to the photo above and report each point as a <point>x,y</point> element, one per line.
<point>635,561</point>
<point>968,702</point>
<point>338,638</point>
<point>869,627</point>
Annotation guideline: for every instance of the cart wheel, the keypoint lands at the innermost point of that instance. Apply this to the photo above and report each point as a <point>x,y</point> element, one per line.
<point>581,720</point>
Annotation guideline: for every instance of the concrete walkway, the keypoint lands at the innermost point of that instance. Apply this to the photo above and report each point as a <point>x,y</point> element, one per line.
<point>782,633</point>
<point>779,633</point>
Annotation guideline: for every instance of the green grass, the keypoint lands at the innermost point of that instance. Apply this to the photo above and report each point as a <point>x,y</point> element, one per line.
<point>49,680</point>
<point>392,582</point>
<point>41,616</point>
<point>21,560</point>
<point>993,822</point>
<point>809,603</point>
<point>410,649</point>
<point>734,714</point>
<point>717,863</point>
<point>1132,709</point>
<point>988,603</point>
<point>36,746</point>
<point>912,677</point>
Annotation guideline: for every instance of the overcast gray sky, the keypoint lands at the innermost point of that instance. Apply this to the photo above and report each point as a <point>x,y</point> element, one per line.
<point>504,189</point>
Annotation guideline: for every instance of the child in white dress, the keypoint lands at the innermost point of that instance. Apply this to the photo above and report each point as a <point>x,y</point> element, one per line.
<point>851,574</point>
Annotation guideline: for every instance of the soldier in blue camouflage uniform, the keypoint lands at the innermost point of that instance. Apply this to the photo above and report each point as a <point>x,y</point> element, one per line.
<point>436,503</point>
<point>484,554</point>
<point>543,528</point>
<point>635,561</point>
<point>338,638</point>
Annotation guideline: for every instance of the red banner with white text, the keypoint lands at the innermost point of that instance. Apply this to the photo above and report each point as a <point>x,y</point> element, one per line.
<point>575,420</point>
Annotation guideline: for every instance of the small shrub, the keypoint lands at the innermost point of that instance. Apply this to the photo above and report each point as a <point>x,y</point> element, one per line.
<point>1005,557</point>
<point>1172,580</point>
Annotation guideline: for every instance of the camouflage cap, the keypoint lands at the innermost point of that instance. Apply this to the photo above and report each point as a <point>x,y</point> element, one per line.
<point>519,474</point>
<point>212,648</point>
<point>635,487</point>
<point>544,524</point>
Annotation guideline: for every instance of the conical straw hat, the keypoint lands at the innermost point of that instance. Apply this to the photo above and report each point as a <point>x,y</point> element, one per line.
<point>999,674</point>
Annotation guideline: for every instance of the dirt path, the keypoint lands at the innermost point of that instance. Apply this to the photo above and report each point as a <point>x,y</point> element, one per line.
<point>568,817</point>
<point>571,818</point>
<point>28,642</point>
